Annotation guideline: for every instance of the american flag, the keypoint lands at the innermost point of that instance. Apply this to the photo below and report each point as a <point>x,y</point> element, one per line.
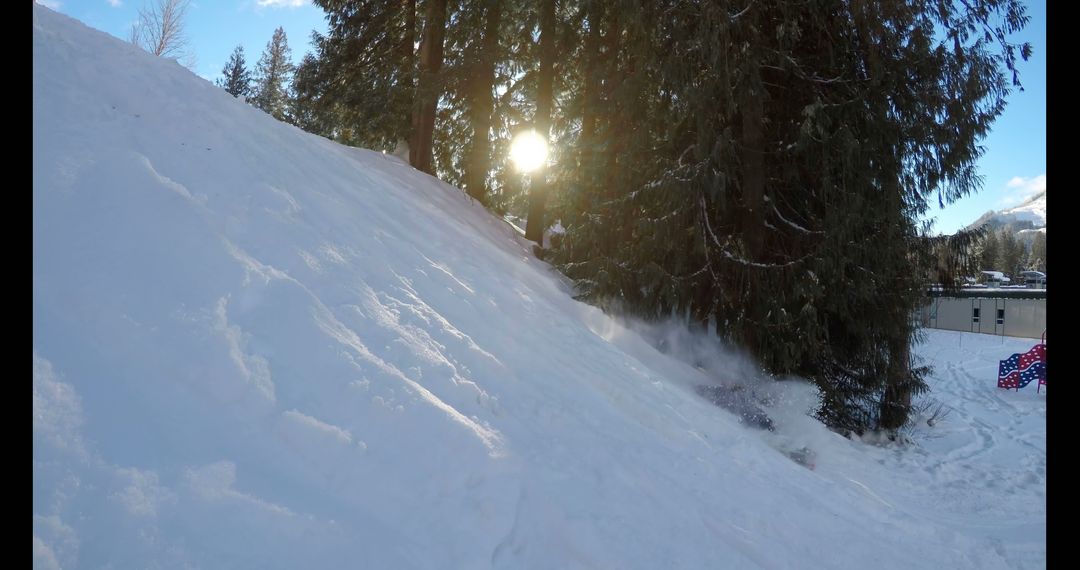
<point>1019,370</point>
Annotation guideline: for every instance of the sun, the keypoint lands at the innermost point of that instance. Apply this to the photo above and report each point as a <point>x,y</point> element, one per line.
<point>528,151</point>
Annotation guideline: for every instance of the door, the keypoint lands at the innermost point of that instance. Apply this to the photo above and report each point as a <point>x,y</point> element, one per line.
<point>999,316</point>
<point>976,315</point>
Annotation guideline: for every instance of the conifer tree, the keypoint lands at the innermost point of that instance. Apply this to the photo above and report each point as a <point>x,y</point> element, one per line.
<point>760,168</point>
<point>273,76</point>
<point>482,100</point>
<point>305,110</point>
<point>792,149</point>
<point>1011,252</point>
<point>236,78</point>
<point>364,74</point>
<point>428,87</point>
<point>1038,252</point>
<point>989,253</point>
<point>538,188</point>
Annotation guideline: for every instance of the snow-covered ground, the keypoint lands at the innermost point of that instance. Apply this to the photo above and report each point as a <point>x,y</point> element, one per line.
<point>982,468</point>
<point>254,348</point>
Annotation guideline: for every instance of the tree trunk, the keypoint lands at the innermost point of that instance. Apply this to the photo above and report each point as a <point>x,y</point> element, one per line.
<point>538,190</point>
<point>612,125</point>
<point>590,89</point>
<point>589,93</point>
<point>896,402</point>
<point>482,106</point>
<point>428,90</point>
<point>753,163</point>
<point>408,56</point>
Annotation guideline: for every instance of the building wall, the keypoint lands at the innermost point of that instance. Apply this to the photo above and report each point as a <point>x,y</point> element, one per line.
<point>1025,318</point>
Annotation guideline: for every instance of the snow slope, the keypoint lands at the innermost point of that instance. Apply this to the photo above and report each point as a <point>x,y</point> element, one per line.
<point>1033,210</point>
<point>254,348</point>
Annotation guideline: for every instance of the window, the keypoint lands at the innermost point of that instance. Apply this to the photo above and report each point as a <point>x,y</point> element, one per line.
<point>1001,316</point>
<point>975,315</point>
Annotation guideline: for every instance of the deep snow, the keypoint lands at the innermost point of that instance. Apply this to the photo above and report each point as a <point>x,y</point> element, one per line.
<point>255,348</point>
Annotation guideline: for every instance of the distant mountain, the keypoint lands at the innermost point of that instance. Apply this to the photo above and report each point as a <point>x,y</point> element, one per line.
<point>1025,218</point>
<point>1033,210</point>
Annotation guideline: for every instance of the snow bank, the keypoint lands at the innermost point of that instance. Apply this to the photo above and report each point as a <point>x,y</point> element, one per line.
<point>255,348</point>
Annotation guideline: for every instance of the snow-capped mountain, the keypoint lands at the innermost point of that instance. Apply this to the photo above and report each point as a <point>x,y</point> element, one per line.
<point>1025,218</point>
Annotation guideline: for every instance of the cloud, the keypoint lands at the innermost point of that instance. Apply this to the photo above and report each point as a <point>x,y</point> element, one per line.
<point>1029,186</point>
<point>51,4</point>
<point>1020,189</point>
<point>281,3</point>
<point>114,3</point>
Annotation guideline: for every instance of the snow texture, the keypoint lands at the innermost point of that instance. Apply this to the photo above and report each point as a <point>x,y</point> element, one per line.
<point>255,348</point>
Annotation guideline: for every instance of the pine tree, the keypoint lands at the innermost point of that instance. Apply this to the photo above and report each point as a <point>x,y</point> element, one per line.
<point>482,100</point>
<point>272,78</point>
<point>1010,253</point>
<point>538,189</point>
<point>1038,252</point>
<point>305,108</point>
<point>237,78</point>
<point>428,88</point>
<point>761,167</point>
<point>791,150</point>
<point>990,251</point>
<point>516,58</point>
<point>363,79</point>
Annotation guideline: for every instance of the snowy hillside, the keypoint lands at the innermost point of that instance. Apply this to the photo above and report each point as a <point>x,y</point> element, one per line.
<point>1032,210</point>
<point>254,348</point>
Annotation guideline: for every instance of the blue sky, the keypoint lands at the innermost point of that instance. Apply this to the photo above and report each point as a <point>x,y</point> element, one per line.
<point>214,27</point>
<point>1013,168</point>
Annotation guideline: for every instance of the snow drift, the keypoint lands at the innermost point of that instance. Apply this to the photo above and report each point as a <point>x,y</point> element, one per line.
<point>255,348</point>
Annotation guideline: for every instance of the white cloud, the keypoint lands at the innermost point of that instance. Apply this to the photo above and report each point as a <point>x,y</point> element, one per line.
<point>51,4</point>
<point>114,3</point>
<point>1029,186</point>
<point>1020,189</point>
<point>282,3</point>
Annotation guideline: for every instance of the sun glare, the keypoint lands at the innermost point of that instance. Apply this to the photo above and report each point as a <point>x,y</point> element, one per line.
<point>528,151</point>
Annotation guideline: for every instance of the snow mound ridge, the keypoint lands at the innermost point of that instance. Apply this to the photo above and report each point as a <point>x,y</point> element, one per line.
<point>256,348</point>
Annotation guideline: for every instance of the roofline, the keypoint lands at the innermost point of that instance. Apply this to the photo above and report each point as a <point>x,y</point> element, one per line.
<point>990,293</point>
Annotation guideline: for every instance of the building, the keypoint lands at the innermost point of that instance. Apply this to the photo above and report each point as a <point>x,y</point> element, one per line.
<point>1015,312</point>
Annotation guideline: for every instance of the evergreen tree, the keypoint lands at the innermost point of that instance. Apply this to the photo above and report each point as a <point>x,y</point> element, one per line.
<point>237,78</point>
<point>272,78</point>
<point>990,251</point>
<point>305,110</point>
<point>538,189</point>
<point>482,100</point>
<point>764,169</point>
<point>761,167</point>
<point>363,78</point>
<point>1038,252</point>
<point>1010,253</point>
<point>428,88</point>
<point>945,260</point>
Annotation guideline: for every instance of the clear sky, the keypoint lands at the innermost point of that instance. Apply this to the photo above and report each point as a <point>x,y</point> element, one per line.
<point>215,27</point>
<point>1013,168</point>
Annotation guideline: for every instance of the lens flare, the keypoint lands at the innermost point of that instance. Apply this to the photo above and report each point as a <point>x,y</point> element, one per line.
<point>528,151</point>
